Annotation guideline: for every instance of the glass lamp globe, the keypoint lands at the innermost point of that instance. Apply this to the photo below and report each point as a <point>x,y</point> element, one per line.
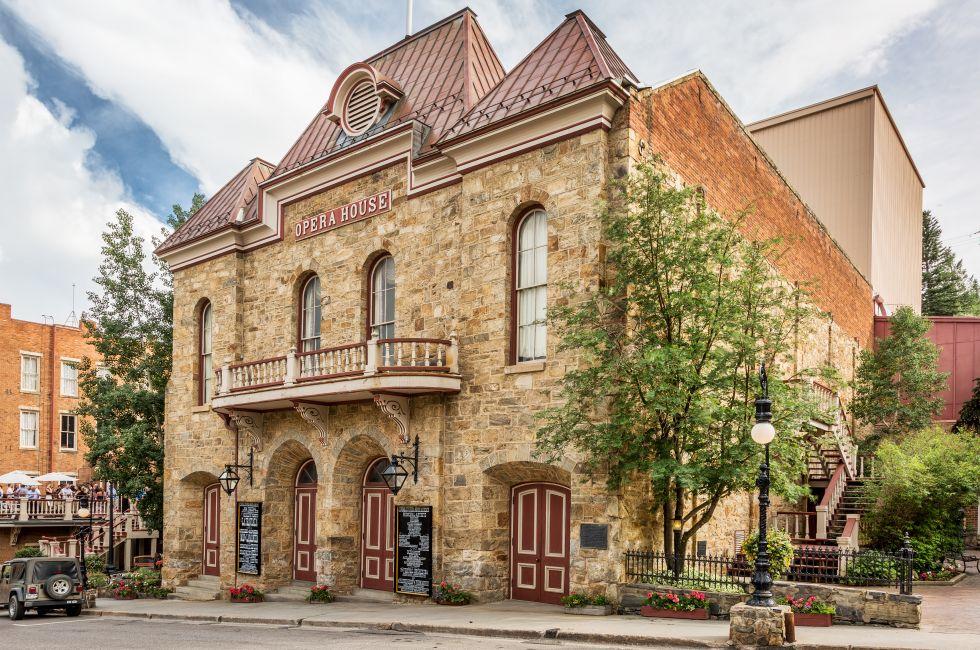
<point>763,432</point>
<point>394,476</point>
<point>84,512</point>
<point>229,480</point>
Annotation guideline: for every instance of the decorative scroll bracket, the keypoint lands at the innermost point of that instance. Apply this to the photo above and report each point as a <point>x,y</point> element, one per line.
<point>316,416</point>
<point>247,424</point>
<point>397,409</point>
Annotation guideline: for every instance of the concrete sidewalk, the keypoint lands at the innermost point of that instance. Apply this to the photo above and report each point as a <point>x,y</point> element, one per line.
<point>520,620</point>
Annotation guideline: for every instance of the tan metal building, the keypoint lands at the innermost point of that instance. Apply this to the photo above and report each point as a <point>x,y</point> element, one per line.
<point>846,158</point>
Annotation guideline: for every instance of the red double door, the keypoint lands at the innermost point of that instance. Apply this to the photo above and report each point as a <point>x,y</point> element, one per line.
<point>212,530</point>
<point>377,531</point>
<point>540,516</point>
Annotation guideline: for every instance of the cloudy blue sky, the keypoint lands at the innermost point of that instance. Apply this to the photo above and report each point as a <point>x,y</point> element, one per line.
<point>137,104</point>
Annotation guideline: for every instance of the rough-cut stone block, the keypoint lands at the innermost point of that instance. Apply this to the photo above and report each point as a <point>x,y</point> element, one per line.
<point>758,626</point>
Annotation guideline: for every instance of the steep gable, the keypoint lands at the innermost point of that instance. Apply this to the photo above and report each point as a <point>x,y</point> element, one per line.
<point>442,70</point>
<point>574,56</point>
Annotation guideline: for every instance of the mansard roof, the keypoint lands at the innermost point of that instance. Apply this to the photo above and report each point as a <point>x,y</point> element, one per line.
<point>574,56</point>
<point>222,209</point>
<point>442,71</point>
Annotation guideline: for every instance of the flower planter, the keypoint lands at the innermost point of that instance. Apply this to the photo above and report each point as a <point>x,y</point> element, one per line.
<point>697,614</point>
<point>590,610</point>
<point>450,604</point>
<point>813,620</point>
<point>246,600</point>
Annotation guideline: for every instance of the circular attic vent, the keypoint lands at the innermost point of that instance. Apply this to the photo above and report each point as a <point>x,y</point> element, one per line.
<point>361,108</point>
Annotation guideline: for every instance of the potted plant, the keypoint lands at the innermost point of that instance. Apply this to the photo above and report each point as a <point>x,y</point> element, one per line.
<point>779,546</point>
<point>320,594</point>
<point>246,594</point>
<point>810,612</point>
<point>446,593</point>
<point>586,605</point>
<point>670,605</point>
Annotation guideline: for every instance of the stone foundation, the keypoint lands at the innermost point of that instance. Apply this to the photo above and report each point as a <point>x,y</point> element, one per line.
<point>758,626</point>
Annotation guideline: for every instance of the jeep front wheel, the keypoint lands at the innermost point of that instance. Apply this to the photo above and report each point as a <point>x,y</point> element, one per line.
<point>14,609</point>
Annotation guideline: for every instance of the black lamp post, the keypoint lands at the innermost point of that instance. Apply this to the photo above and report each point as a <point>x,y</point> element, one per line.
<point>395,474</point>
<point>229,478</point>
<point>763,433</point>
<point>677,526</point>
<point>110,552</point>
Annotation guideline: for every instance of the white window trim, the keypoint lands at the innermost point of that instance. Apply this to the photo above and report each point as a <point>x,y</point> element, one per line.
<point>39,357</point>
<point>37,431</point>
<point>61,376</point>
<point>60,430</point>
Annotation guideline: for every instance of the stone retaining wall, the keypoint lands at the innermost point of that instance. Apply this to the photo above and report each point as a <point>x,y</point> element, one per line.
<point>854,606</point>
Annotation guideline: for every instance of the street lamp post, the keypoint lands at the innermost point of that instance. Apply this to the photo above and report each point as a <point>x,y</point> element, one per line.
<point>83,535</point>
<point>763,433</point>
<point>677,527</point>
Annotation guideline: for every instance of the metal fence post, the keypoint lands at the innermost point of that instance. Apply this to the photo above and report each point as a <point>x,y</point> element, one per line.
<point>905,574</point>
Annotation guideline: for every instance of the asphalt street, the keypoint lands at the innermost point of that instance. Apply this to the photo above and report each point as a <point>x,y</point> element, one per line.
<point>56,631</point>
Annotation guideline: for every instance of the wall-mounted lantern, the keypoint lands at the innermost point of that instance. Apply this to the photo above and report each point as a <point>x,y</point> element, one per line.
<point>395,474</point>
<point>229,478</point>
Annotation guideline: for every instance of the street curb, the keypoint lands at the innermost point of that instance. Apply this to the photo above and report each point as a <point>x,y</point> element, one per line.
<point>554,634</point>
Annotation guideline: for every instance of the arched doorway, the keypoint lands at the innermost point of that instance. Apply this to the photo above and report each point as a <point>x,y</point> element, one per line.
<point>211,561</point>
<point>377,530</point>
<point>540,516</point>
<point>304,523</point>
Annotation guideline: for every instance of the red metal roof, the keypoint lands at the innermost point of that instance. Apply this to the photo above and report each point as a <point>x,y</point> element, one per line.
<point>574,56</point>
<point>442,70</point>
<point>222,208</point>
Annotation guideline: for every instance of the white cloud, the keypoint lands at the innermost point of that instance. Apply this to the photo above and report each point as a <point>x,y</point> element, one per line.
<point>216,89</point>
<point>55,207</point>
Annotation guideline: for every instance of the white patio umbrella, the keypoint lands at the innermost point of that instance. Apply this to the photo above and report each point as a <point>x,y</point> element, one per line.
<point>18,476</point>
<point>58,477</point>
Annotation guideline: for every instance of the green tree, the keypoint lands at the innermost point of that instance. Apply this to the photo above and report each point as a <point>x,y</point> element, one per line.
<point>670,351</point>
<point>926,480</point>
<point>897,382</point>
<point>969,417</point>
<point>130,325</point>
<point>947,289</point>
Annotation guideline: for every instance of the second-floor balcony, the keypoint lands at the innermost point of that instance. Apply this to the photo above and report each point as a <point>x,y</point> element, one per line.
<point>345,373</point>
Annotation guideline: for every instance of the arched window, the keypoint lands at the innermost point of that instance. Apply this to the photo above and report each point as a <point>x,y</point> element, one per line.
<point>205,364</point>
<point>382,309</point>
<point>309,313</point>
<point>530,286</point>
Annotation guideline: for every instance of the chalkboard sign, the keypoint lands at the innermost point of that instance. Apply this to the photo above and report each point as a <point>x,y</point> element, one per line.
<point>594,536</point>
<point>413,557</point>
<point>250,538</point>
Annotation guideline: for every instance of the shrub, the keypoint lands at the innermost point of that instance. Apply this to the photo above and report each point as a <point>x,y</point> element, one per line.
<point>29,551</point>
<point>246,594</point>
<point>678,603</point>
<point>123,589</point>
<point>581,600</point>
<point>320,594</point>
<point>809,605</point>
<point>872,567</point>
<point>97,580</point>
<point>780,551</point>
<point>94,564</point>
<point>446,592</point>
<point>159,592</point>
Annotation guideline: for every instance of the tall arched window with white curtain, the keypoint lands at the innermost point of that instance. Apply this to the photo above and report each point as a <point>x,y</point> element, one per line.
<point>531,285</point>
<point>309,333</point>
<point>382,305</point>
<point>205,362</point>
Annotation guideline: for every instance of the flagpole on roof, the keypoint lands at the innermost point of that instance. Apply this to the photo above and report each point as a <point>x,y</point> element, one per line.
<point>408,20</point>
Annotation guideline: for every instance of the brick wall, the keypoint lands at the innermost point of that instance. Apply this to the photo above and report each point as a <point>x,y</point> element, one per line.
<point>699,138</point>
<point>52,343</point>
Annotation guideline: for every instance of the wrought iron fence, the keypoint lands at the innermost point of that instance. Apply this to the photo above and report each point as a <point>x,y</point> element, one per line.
<point>812,564</point>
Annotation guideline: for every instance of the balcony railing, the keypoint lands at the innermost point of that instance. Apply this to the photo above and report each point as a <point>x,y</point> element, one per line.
<point>21,509</point>
<point>373,357</point>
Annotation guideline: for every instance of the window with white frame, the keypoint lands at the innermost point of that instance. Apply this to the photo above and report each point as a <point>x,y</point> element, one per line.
<point>28,429</point>
<point>68,431</point>
<point>531,285</point>
<point>30,372</point>
<point>69,378</point>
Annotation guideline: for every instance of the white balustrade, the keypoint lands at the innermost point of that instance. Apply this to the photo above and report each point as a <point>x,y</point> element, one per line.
<point>256,374</point>
<point>341,360</point>
<point>414,353</point>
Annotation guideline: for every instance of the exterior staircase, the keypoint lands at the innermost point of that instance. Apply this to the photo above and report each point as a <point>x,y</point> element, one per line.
<point>296,592</point>
<point>853,502</point>
<point>200,588</point>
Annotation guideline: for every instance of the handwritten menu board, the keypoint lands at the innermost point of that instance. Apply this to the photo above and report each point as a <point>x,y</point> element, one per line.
<point>250,538</point>
<point>413,557</point>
